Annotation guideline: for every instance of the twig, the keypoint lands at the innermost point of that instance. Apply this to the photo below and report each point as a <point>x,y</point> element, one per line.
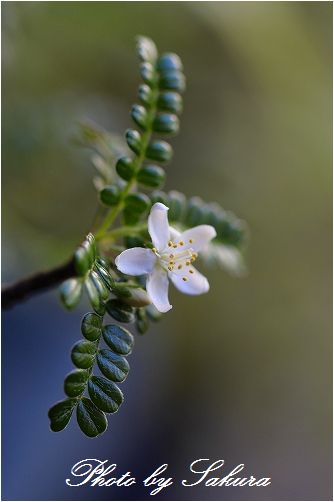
<point>23,289</point>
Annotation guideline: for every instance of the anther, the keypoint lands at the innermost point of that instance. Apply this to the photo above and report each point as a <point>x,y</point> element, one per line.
<point>179,267</point>
<point>191,271</point>
<point>191,241</point>
<point>170,269</point>
<point>181,243</point>
<point>187,263</point>
<point>185,279</point>
<point>174,246</point>
<point>170,244</point>
<point>171,256</point>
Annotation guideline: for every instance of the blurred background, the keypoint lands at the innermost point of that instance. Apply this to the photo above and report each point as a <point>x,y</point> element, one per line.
<point>242,374</point>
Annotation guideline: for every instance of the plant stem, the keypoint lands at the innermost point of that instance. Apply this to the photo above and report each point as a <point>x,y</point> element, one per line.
<point>123,232</point>
<point>37,283</point>
<point>146,137</point>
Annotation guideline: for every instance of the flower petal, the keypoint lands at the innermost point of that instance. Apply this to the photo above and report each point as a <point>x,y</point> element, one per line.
<point>136,261</point>
<point>196,283</point>
<point>157,289</point>
<point>197,237</point>
<point>158,225</point>
<point>174,234</point>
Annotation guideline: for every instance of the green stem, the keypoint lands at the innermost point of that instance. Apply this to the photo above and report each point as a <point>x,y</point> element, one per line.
<point>146,137</point>
<point>123,232</point>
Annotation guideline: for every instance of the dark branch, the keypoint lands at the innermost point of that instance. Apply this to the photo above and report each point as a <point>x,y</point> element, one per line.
<point>21,290</point>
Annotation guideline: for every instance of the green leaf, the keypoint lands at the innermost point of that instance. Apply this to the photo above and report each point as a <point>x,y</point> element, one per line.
<point>169,61</point>
<point>148,74</point>
<point>173,81</point>
<point>146,49</point>
<point>75,382</point>
<point>119,311</point>
<point>102,269</point>
<point>99,285</point>
<point>137,297</point>
<point>151,176</point>
<point>91,326</point>
<point>118,339</point>
<point>134,140</point>
<point>170,101</point>
<point>139,116</point>
<point>94,296</point>
<point>83,354</point>
<point>85,255</point>
<point>159,150</point>
<point>142,322</point>
<point>91,420</point>
<point>112,365</point>
<point>70,293</point>
<point>125,168</point>
<point>110,195</point>
<point>61,413</point>
<point>166,122</point>
<point>137,202</point>
<point>104,394</point>
<point>145,94</point>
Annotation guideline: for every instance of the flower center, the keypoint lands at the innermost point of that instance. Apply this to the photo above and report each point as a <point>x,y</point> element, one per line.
<point>173,260</point>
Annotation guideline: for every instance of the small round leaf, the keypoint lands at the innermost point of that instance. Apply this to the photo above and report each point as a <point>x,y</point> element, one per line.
<point>119,311</point>
<point>61,413</point>
<point>106,395</point>
<point>70,293</point>
<point>151,176</point>
<point>91,326</point>
<point>75,383</point>
<point>83,354</point>
<point>110,195</point>
<point>133,139</point>
<point>113,366</point>
<point>118,339</point>
<point>125,168</point>
<point>91,420</point>
<point>169,61</point>
<point>159,150</point>
<point>166,122</point>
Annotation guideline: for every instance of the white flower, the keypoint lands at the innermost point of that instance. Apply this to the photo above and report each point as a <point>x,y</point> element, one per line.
<point>171,258</point>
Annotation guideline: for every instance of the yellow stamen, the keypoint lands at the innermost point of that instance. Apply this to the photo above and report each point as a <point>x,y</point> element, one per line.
<point>187,263</point>
<point>174,245</point>
<point>185,279</point>
<point>179,267</point>
<point>170,269</point>
<point>191,271</point>
<point>191,241</point>
<point>170,243</point>
<point>171,256</point>
<point>181,243</point>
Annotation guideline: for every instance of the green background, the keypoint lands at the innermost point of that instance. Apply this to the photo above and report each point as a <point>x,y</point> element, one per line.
<point>244,372</point>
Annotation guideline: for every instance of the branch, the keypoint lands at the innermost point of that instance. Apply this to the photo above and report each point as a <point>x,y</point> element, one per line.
<point>37,283</point>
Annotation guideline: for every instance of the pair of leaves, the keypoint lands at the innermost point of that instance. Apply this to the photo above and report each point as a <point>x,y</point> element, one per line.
<point>105,396</point>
